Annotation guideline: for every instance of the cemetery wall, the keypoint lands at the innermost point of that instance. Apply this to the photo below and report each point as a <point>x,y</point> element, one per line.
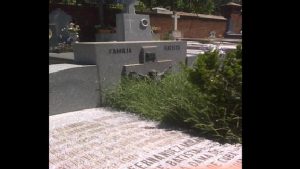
<point>190,26</point>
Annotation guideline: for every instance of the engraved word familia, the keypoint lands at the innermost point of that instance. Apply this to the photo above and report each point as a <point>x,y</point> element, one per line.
<point>121,50</point>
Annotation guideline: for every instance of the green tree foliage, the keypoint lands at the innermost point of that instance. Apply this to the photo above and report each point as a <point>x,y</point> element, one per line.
<point>202,6</point>
<point>218,3</point>
<point>141,6</point>
<point>210,7</point>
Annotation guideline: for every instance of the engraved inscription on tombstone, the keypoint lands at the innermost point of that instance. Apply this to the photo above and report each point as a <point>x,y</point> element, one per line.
<point>126,141</point>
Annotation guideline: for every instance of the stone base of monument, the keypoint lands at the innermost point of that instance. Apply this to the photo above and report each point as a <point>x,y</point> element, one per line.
<point>176,34</point>
<point>72,87</point>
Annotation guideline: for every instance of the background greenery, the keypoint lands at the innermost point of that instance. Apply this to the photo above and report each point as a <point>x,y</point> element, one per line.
<point>210,7</point>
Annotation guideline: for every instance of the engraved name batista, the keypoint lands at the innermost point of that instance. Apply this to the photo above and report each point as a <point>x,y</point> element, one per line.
<point>172,47</point>
<point>121,50</point>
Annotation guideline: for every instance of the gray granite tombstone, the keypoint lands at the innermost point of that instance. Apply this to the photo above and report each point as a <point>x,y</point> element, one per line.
<point>115,59</point>
<point>61,21</point>
<point>130,26</point>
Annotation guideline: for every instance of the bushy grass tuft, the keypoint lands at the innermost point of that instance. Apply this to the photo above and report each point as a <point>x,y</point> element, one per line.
<point>149,97</point>
<point>175,100</point>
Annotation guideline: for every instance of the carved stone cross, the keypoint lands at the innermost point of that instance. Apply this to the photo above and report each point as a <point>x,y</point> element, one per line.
<point>128,6</point>
<point>130,20</point>
<point>175,16</point>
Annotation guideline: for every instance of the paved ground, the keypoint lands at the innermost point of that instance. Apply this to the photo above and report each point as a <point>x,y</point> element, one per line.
<point>72,87</point>
<point>101,138</point>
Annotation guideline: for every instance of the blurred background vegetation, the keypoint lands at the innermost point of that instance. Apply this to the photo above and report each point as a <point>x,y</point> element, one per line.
<point>209,7</point>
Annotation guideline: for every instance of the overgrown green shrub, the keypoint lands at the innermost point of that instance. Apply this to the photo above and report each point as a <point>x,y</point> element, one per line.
<point>220,80</point>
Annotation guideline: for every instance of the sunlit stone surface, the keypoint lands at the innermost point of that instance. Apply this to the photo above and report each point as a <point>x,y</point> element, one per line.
<point>100,139</point>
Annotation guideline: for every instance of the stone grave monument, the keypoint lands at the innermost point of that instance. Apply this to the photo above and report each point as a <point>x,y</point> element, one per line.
<point>115,59</point>
<point>135,52</point>
<point>175,33</point>
<point>58,24</point>
<point>130,26</point>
